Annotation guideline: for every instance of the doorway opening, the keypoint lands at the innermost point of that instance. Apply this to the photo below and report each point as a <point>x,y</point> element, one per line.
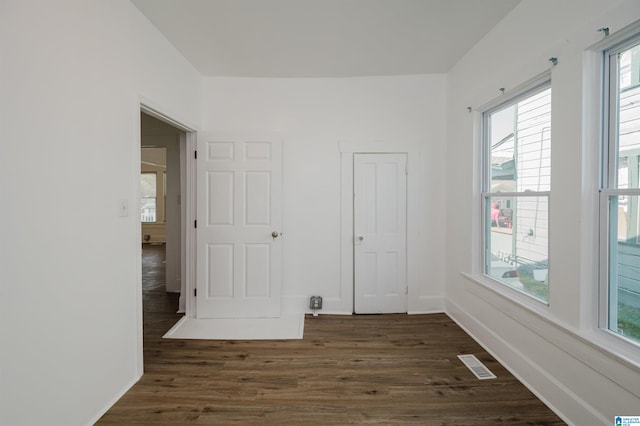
<point>167,198</point>
<point>160,194</point>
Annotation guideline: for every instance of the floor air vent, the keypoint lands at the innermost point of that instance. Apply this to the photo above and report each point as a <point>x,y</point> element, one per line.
<point>476,367</point>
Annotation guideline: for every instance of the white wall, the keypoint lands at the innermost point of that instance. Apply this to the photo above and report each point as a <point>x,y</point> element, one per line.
<point>557,350</point>
<point>313,116</point>
<point>72,74</point>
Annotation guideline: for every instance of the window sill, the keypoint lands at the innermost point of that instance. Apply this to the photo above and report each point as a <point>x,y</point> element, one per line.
<point>510,293</point>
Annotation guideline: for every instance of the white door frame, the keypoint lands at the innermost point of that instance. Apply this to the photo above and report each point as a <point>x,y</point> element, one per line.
<point>188,209</point>
<point>188,204</point>
<point>415,195</point>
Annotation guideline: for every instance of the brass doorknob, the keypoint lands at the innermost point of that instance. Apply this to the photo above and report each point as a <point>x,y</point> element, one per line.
<point>275,235</point>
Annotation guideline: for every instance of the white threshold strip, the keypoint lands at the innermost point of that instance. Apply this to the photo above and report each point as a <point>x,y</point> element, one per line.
<point>476,367</point>
<point>286,327</point>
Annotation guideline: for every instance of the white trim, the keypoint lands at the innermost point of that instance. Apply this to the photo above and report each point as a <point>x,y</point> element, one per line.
<point>415,185</point>
<point>163,114</point>
<point>137,225</point>
<point>346,230</point>
<point>591,153</point>
<point>190,243</point>
<point>428,305</point>
<point>184,159</point>
<point>189,234</point>
<point>477,206</point>
<point>115,399</point>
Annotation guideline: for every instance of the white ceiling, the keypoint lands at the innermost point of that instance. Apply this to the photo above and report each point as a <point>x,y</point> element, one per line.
<point>323,38</point>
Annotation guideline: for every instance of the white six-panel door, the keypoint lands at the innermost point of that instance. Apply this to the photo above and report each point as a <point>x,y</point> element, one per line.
<point>238,226</point>
<point>380,218</point>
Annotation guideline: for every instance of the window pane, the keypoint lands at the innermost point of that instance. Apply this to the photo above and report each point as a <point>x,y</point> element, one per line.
<point>518,136</point>
<point>520,145</point>
<point>148,185</point>
<point>624,266</point>
<point>629,118</point>
<point>148,197</point>
<point>518,243</point>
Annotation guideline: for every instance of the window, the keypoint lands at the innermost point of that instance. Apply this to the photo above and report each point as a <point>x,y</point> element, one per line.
<point>620,193</point>
<point>516,189</point>
<point>148,197</point>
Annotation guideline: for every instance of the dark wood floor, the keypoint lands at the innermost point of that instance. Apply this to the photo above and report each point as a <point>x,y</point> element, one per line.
<point>371,369</point>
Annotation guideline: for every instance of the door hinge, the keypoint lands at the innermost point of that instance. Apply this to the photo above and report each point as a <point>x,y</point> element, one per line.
<point>195,154</point>
<point>195,223</point>
<point>195,292</point>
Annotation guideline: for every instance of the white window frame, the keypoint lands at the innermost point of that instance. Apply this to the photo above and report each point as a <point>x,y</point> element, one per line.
<point>528,89</point>
<point>609,177</point>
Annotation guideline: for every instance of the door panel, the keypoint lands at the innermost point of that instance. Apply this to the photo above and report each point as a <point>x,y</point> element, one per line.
<point>380,202</point>
<point>220,258</point>
<point>221,210</point>
<point>239,201</point>
<point>257,198</point>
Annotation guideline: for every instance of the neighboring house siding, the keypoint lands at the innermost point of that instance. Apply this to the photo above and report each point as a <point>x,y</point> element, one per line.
<point>628,217</point>
<point>533,139</point>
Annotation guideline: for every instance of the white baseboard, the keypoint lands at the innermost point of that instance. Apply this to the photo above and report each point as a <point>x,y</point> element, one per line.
<point>558,397</point>
<point>325,312</point>
<point>426,305</point>
<point>115,399</point>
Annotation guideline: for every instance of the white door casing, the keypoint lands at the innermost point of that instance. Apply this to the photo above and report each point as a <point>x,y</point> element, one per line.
<point>239,193</point>
<point>380,231</point>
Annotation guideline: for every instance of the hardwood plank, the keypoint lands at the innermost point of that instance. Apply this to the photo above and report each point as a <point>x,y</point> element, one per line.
<point>369,369</point>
